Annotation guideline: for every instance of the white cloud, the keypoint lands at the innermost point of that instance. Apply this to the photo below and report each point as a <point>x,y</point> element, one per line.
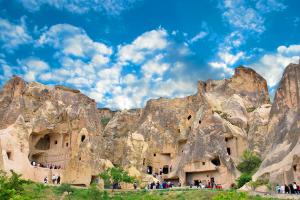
<point>33,67</point>
<point>143,45</point>
<point>155,67</point>
<point>109,7</point>
<point>12,35</point>
<point>199,36</point>
<point>73,41</point>
<point>240,14</point>
<point>291,50</point>
<point>271,66</point>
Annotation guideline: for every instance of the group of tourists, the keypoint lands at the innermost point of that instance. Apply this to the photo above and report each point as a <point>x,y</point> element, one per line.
<point>162,185</point>
<point>292,188</point>
<point>55,179</point>
<point>208,185</point>
<point>50,166</point>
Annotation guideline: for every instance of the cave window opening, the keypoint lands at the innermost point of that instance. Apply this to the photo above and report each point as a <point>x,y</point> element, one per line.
<point>228,151</point>
<point>226,139</point>
<point>67,144</point>
<point>149,169</point>
<point>295,167</point>
<point>199,121</point>
<point>154,154</point>
<point>203,163</point>
<point>216,161</point>
<point>189,117</point>
<point>82,138</point>
<point>178,130</point>
<point>55,142</point>
<point>9,155</point>
<point>143,161</point>
<point>79,158</point>
<point>166,169</point>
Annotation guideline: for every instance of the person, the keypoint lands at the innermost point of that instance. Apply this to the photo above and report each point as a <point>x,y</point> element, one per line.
<point>53,178</point>
<point>135,185</point>
<point>157,185</point>
<point>277,189</point>
<point>282,189</point>
<point>286,189</point>
<point>58,179</point>
<point>160,171</point>
<point>295,188</point>
<point>46,180</point>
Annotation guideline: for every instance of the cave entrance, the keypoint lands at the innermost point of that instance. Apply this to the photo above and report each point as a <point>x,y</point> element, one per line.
<point>43,143</point>
<point>94,179</point>
<point>216,161</point>
<point>166,169</point>
<point>228,151</point>
<point>149,169</point>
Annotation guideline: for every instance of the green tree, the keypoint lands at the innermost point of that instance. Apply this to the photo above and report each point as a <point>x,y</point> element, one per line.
<point>116,175</point>
<point>11,187</point>
<point>250,162</point>
<point>243,179</point>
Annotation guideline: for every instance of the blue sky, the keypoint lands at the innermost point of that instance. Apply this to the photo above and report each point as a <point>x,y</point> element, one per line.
<point>124,52</point>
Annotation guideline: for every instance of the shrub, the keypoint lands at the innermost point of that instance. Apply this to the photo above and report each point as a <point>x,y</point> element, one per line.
<point>11,187</point>
<point>116,175</point>
<point>243,179</point>
<point>259,182</point>
<point>64,187</point>
<point>250,162</point>
<point>105,121</point>
<point>231,195</point>
<point>251,109</point>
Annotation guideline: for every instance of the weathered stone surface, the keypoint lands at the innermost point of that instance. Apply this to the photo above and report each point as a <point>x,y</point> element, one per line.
<point>192,138</point>
<point>281,163</point>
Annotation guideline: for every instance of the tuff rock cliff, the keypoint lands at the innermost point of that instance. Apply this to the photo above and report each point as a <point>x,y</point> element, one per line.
<point>183,139</point>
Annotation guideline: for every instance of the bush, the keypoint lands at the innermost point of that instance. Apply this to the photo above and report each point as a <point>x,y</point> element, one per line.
<point>64,187</point>
<point>11,187</point>
<point>105,121</point>
<point>251,109</point>
<point>230,195</point>
<point>250,162</point>
<point>95,194</point>
<point>259,182</point>
<point>243,179</point>
<point>115,175</point>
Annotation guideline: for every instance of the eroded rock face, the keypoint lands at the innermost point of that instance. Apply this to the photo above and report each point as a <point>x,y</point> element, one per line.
<point>188,139</point>
<point>197,137</point>
<point>281,163</point>
<point>58,126</point>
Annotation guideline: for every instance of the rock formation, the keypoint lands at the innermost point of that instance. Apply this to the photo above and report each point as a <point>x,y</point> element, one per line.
<point>196,138</point>
<point>282,160</point>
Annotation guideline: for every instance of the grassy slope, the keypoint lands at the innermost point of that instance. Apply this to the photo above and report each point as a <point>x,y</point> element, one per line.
<point>38,191</point>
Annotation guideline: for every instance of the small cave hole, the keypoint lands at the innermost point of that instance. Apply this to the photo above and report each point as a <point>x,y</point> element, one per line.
<point>295,167</point>
<point>216,161</point>
<point>154,154</point>
<point>67,144</point>
<point>228,151</point>
<point>82,138</point>
<point>203,163</point>
<point>9,155</point>
<point>199,121</point>
<point>79,158</point>
<point>55,142</point>
<point>189,117</point>
<point>178,130</point>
